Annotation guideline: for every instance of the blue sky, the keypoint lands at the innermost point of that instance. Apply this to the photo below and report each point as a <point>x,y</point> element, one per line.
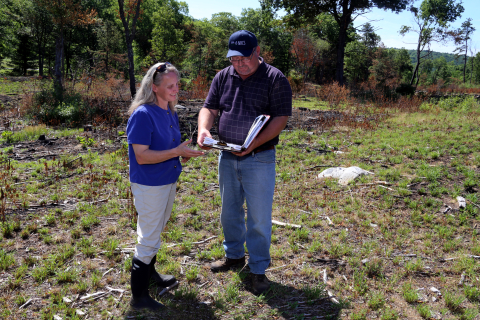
<point>386,23</point>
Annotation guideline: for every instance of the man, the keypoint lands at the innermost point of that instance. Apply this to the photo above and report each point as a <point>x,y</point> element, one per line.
<point>239,93</point>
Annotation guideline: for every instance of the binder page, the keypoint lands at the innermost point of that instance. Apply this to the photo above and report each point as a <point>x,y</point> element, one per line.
<point>255,129</point>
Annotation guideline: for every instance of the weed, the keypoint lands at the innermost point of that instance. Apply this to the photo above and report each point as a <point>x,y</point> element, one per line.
<point>472,293</point>
<point>232,292</point>
<point>360,315</point>
<point>409,294</point>
<point>314,292</point>
<point>374,268</point>
<point>376,301</point>
<point>389,314</point>
<point>6,260</point>
<point>453,302</point>
<point>89,221</point>
<point>424,311</point>
<point>192,274</point>
<point>360,282</point>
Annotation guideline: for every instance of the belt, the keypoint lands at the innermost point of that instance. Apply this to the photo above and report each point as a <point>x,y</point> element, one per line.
<point>262,148</point>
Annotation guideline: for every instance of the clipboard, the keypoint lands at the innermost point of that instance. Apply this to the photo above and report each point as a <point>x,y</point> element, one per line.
<point>252,133</point>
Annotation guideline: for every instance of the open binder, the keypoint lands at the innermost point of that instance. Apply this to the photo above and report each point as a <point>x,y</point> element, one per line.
<point>252,133</point>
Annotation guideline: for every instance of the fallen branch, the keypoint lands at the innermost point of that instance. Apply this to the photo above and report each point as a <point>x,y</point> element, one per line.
<point>26,304</point>
<point>476,205</point>
<point>375,183</point>
<point>96,294</point>
<point>103,275</point>
<point>314,167</point>
<point>115,290</point>
<point>203,241</point>
<point>386,187</point>
<point>168,288</point>
<point>279,223</point>
<point>285,265</point>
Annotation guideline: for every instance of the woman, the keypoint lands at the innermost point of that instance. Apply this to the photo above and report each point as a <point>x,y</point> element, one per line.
<point>154,149</point>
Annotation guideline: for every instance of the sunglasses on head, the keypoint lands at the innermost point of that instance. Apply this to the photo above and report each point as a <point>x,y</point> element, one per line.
<point>161,68</point>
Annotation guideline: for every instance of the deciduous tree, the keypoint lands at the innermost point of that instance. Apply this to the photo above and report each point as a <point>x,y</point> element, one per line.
<point>462,37</point>
<point>431,20</point>
<point>344,12</point>
<point>129,13</point>
<point>65,13</point>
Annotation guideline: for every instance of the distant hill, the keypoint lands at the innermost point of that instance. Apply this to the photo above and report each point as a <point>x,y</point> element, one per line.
<point>435,55</point>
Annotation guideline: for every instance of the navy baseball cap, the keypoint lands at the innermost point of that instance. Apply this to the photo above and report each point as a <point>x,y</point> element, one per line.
<point>241,43</point>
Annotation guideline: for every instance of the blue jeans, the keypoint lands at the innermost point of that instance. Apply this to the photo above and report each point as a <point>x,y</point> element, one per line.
<point>250,178</point>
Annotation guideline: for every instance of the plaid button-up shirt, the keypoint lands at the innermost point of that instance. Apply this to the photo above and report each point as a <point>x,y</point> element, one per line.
<point>267,91</point>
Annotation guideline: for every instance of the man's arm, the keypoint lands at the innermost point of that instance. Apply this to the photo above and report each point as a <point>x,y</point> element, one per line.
<point>206,117</point>
<point>272,130</point>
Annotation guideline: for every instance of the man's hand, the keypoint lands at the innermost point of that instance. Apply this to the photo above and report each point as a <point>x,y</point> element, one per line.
<point>205,123</point>
<point>252,147</point>
<point>201,136</point>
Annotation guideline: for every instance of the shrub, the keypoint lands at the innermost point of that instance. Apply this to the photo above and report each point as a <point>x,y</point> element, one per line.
<point>405,89</point>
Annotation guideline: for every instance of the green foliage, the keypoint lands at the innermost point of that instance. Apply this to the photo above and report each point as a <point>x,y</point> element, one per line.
<point>51,107</point>
<point>6,260</point>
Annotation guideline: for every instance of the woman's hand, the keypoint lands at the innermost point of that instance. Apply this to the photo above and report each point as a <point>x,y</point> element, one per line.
<point>187,153</point>
<point>144,155</point>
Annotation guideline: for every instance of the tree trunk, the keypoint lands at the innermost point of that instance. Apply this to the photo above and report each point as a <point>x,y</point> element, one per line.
<point>131,68</point>
<point>341,48</point>
<point>59,61</point>
<point>40,62</point>
<point>417,66</point>
<point>129,36</point>
<point>465,62</point>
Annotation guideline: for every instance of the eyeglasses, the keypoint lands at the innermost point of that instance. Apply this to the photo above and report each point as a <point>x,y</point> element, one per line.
<point>242,59</point>
<point>161,68</point>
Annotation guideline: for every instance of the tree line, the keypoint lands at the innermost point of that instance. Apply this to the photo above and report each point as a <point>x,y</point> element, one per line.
<point>316,41</point>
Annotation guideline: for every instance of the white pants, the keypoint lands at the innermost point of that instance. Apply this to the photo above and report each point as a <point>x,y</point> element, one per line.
<point>154,206</point>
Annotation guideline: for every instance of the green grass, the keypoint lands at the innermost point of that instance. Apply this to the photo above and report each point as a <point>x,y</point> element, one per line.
<point>59,233</point>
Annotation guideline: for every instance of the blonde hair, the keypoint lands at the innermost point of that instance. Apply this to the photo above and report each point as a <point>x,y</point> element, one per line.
<point>145,94</point>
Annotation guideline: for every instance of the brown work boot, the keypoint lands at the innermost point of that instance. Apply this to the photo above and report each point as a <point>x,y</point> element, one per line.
<point>260,283</point>
<point>226,264</point>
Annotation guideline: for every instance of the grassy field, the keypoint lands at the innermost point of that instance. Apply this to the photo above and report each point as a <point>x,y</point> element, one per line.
<point>393,245</point>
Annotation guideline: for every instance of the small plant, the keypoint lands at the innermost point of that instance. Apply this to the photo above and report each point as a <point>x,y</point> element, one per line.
<point>374,268</point>
<point>377,301</point>
<point>360,282</point>
<point>389,314</point>
<point>6,260</point>
<point>8,136</point>
<point>360,315</point>
<point>89,221</point>
<point>472,293</point>
<point>314,292</point>
<point>66,276</point>
<point>424,311</point>
<point>453,302</point>
<point>86,142</point>
<point>409,294</point>
<point>192,274</point>
<point>231,293</point>
<point>7,229</point>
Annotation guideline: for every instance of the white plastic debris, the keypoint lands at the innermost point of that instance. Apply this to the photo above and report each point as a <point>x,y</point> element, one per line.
<point>462,203</point>
<point>344,175</point>
<point>435,290</point>
<point>80,312</point>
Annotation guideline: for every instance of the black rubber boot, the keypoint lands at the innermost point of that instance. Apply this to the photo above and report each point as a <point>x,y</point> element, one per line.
<point>160,280</point>
<point>139,283</point>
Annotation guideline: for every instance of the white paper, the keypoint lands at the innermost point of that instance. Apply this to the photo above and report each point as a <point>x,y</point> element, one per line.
<point>252,133</point>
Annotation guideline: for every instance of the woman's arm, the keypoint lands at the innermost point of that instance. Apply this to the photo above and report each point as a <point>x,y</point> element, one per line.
<point>146,156</point>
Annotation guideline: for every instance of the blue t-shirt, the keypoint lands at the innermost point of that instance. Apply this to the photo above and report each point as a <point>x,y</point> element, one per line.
<point>158,128</point>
